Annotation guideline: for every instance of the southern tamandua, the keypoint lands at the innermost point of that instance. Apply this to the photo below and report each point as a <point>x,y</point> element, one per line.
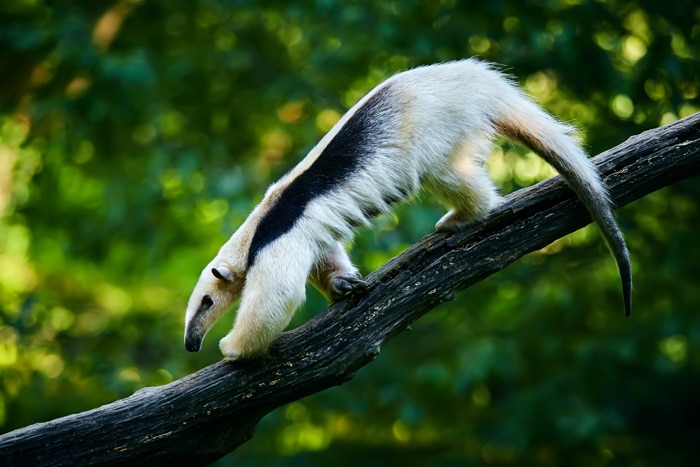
<point>431,126</point>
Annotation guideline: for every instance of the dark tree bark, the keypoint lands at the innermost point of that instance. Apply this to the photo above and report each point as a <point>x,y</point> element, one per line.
<point>205,415</point>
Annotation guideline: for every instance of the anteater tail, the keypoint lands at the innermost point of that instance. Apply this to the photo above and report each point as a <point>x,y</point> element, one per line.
<point>552,140</point>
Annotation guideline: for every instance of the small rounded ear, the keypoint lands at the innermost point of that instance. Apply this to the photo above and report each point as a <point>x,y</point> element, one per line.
<point>223,273</point>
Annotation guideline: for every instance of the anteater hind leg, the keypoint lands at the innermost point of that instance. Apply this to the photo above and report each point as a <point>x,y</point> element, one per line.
<point>466,187</point>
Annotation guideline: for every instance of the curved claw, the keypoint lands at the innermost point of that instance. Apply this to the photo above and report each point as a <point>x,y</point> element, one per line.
<point>343,286</point>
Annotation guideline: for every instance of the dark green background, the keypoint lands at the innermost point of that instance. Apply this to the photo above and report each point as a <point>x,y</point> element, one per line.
<point>135,136</point>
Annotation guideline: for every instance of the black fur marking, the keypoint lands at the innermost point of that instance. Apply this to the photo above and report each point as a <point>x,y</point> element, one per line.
<point>369,212</point>
<point>391,199</point>
<point>346,153</point>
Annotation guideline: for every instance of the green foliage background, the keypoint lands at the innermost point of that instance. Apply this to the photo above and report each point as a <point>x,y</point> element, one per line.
<point>136,135</point>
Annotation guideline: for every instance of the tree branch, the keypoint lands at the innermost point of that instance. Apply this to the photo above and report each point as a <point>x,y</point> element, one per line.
<point>203,416</point>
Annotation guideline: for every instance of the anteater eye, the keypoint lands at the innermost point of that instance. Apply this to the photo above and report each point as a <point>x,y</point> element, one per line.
<point>207,301</point>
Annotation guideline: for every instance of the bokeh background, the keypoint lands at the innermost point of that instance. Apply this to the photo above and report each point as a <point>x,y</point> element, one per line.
<point>135,135</point>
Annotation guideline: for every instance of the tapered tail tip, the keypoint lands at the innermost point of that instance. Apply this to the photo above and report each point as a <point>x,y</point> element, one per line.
<point>627,289</point>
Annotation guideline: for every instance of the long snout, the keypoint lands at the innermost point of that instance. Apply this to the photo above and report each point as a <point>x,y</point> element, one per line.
<point>193,339</point>
<point>193,344</point>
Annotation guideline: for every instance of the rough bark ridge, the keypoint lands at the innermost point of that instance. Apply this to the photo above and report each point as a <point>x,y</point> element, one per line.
<point>203,416</point>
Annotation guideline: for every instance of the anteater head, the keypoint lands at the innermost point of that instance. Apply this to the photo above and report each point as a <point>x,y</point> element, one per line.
<point>218,288</point>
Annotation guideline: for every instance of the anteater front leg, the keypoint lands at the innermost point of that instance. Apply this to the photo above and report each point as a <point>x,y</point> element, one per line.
<point>335,276</point>
<point>275,286</point>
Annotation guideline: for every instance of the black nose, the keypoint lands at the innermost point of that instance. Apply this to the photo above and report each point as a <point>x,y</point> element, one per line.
<point>193,343</point>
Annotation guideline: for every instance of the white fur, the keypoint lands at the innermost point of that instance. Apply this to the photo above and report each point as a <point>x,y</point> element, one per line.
<point>437,125</point>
